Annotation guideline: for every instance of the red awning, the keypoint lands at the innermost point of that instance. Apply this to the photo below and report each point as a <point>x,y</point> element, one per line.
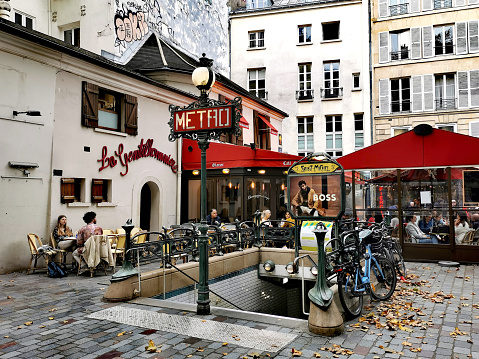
<point>243,123</point>
<point>274,131</point>
<point>408,150</point>
<point>225,155</point>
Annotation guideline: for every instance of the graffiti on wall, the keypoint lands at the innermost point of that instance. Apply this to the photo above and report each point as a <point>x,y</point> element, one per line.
<point>196,26</point>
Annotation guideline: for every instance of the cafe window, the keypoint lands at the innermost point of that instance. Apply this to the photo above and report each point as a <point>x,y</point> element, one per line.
<point>100,190</point>
<point>103,108</point>
<point>72,190</point>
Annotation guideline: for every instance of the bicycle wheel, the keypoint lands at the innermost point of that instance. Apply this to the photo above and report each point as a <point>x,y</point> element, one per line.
<point>382,278</point>
<point>352,304</point>
<point>399,262</point>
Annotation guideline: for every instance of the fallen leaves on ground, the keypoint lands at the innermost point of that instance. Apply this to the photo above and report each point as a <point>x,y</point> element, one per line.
<point>296,353</point>
<point>336,349</point>
<point>151,347</point>
<point>120,334</point>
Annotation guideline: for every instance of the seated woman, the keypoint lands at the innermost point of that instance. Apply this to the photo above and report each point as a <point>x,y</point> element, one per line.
<point>461,227</point>
<point>265,218</point>
<point>287,221</point>
<point>61,232</point>
<point>418,236</point>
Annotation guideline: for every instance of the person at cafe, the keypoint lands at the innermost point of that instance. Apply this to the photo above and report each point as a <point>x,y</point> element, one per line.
<point>61,232</point>
<point>461,227</point>
<point>85,232</point>
<point>213,218</point>
<point>266,218</point>
<point>418,236</point>
<point>475,220</point>
<point>426,223</point>
<point>287,221</point>
<point>305,203</point>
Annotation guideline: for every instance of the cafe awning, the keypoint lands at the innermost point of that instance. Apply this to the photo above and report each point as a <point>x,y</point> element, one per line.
<point>243,123</point>
<point>274,131</point>
<point>422,148</point>
<point>225,155</point>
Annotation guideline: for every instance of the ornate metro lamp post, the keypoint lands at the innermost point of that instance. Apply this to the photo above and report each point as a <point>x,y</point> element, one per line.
<point>204,120</point>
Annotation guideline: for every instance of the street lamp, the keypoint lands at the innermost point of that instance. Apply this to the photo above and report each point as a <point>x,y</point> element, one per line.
<point>207,119</point>
<point>203,78</point>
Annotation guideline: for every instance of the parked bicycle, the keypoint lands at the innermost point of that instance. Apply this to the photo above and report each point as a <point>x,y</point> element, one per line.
<point>359,271</point>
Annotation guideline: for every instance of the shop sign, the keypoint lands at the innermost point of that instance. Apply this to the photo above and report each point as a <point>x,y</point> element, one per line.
<point>145,149</point>
<point>315,168</point>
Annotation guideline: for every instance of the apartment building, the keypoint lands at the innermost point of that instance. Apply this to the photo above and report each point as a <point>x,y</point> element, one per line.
<point>310,58</point>
<point>425,65</point>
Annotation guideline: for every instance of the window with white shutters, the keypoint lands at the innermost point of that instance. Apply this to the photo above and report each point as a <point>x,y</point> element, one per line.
<point>461,38</point>
<point>445,91</point>
<point>474,128</point>
<point>474,87</point>
<point>463,89</point>
<point>428,93</point>
<point>427,42</point>
<point>416,93</point>
<point>383,47</point>
<point>384,96</point>
<point>427,5</point>
<point>383,8</point>
<point>473,36</point>
<point>416,43</point>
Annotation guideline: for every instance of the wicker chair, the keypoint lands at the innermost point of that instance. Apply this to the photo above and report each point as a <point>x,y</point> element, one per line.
<point>34,242</point>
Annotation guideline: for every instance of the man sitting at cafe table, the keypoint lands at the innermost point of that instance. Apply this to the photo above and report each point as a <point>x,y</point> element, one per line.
<point>90,229</point>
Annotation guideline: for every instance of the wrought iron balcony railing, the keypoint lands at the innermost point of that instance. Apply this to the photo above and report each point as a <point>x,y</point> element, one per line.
<point>444,49</point>
<point>398,9</point>
<point>331,92</point>
<point>401,106</point>
<point>262,94</point>
<point>302,95</point>
<point>442,4</point>
<point>445,104</point>
<point>402,54</point>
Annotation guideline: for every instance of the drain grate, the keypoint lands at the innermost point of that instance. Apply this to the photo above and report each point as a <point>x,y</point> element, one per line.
<point>264,340</point>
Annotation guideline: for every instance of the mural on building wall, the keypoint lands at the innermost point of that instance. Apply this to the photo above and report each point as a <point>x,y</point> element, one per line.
<point>196,26</point>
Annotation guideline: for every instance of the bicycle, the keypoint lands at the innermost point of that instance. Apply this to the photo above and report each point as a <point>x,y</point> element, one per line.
<point>377,277</point>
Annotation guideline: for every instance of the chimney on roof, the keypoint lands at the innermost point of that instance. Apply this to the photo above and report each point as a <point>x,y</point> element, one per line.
<point>5,9</point>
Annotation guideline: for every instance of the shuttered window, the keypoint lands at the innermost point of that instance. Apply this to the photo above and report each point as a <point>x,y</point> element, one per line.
<point>108,109</point>
<point>99,190</point>
<point>71,189</point>
<point>474,129</point>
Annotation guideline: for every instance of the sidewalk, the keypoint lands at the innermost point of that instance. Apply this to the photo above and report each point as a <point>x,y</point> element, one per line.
<point>436,315</point>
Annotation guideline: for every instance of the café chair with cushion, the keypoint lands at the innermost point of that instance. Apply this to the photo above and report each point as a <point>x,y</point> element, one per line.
<point>140,239</point>
<point>469,237</point>
<point>119,249</point>
<point>62,252</point>
<point>35,244</point>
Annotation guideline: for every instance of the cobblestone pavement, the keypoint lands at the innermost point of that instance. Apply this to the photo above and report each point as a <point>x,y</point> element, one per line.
<point>435,315</point>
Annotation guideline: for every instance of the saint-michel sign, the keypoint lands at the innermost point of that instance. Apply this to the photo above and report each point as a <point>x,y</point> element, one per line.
<point>200,119</point>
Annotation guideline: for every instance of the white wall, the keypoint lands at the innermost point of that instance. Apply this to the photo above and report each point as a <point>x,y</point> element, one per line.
<point>24,203</point>
<point>281,57</point>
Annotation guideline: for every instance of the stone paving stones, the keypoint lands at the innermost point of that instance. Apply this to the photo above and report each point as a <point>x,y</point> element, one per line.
<point>435,302</point>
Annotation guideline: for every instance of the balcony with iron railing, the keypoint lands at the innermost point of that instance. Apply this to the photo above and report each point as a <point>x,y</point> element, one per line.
<point>262,94</point>
<point>331,93</point>
<point>305,95</point>
<point>398,9</point>
<point>442,4</point>
<point>445,104</point>
<point>402,54</point>
<point>401,106</point>
<point>444,49</point>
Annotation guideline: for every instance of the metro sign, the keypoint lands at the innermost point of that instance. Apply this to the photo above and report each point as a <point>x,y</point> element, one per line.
<point>204,119</point>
